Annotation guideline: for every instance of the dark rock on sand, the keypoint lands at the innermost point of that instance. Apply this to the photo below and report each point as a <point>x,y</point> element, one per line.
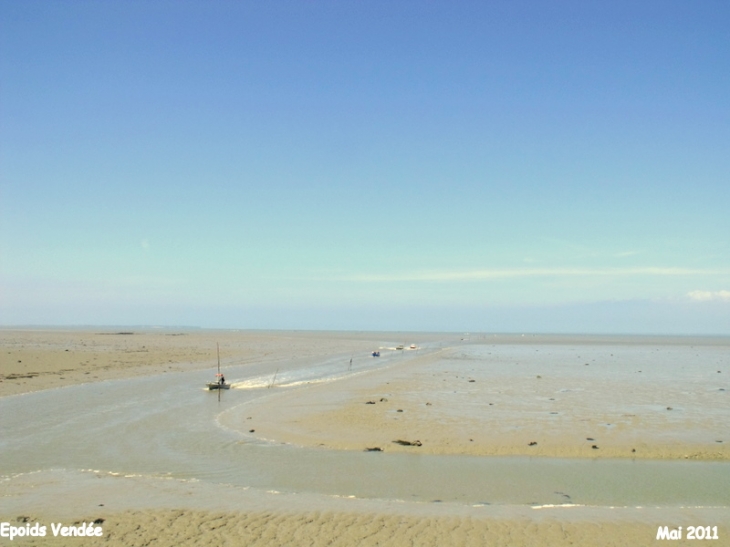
<point>407,443</point>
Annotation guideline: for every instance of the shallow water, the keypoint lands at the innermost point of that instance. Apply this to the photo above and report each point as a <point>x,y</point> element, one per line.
<point>677,391</point>
<point>169,426</point>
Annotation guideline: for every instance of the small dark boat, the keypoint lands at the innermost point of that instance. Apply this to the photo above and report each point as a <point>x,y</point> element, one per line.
<point>220,382</point>
<point>376,354</point>
<point>218,385</point>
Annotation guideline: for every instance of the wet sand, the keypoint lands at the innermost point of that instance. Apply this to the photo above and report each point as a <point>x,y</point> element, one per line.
<point>557,401</point>
<point>138,511</point>
<point>169,513</point>
<point>36,359</point>
<point>274,529</point>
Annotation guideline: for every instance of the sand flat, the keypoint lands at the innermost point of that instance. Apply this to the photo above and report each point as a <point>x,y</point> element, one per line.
<point>592,383</point>
<point>266,529</point>
<point>171,513</point>
<point>36,359</point>
<point>558,401</point>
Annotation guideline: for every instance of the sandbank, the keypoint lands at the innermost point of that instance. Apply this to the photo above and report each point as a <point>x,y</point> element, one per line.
<point>37,359</point>
<point>170,513</point>
<point>444,403</point>
<point>440,406</point>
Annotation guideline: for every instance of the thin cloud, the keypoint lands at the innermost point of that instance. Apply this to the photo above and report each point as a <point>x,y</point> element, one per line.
<point>512,273</point>
<point>709,296</point>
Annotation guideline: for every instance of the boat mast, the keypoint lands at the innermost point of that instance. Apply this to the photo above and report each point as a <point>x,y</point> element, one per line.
<point>218,351</point>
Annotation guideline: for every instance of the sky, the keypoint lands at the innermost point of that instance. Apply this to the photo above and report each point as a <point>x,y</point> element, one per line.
<point>504,166</point>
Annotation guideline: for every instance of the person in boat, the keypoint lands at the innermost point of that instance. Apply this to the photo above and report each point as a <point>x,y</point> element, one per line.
<point>222,381</point>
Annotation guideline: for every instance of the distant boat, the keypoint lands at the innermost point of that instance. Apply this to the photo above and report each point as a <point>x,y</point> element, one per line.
<point>399,347</point>
<point>413,346</point>
<point>376,354</point>
<point>220,383</point>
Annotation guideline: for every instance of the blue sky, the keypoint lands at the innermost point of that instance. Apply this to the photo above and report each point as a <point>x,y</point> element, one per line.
<point>498,166</point>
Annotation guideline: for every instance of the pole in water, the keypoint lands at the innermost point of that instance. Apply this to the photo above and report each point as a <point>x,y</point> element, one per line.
<point>273,379</point>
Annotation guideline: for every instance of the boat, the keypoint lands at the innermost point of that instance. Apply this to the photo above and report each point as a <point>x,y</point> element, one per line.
<point>376,354</point>
<point>399,347</point>
<point>220,382</point>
